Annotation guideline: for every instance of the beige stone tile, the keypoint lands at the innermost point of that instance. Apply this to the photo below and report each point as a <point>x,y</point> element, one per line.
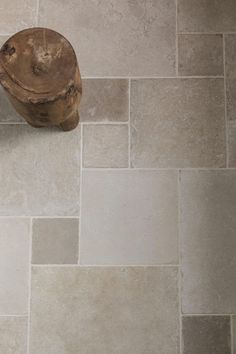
<point>7,112</point>
<point>55,241</point>
<point>206,335</point>
<point>105,100</point>
<point>129,217</point>
<point>200,55</point>
<point>232,144</point>
<point>14,266</point>
<point>13,335</point>
<point>105,145</point>
<point>177,123</point>
<point>39,171</point>
<point>206,16</point>
<point>104,310</point>
<point>208,228</point>
<point>116,38</point>
<point>234,334</point>
<point>230,67</point>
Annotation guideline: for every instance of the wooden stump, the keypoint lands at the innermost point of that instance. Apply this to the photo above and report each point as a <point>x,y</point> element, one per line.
<point>40,74</point>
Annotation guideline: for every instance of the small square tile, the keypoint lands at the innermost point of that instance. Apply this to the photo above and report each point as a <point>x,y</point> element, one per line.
<point>104,310</point>
<point>105,100</point>
<point>206,335</point>
<point>232,144</point>
<point>208,229</point>
<point>14,266</point>
<point>55,241</point>
<point>129,217</point>
<point>230,71</point>
<point>200,55</point>
<point>13,335</point>
<point>105,145</point>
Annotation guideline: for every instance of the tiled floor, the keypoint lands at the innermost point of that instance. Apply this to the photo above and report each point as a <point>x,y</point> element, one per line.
<point>120,236</point>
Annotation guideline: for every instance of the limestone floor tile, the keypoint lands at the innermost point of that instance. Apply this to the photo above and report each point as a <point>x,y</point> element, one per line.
<point>7,112</point>
<point>200,55</point>
<point>206,15</point>
<point>116,38</point>
<point>208,242</point>
<point>105,100</point>
<point>55,241</point>
<point>230,68</point>
<point>13,335</point>
<point>232,144</point>
<point>14,266</point>
<point>206,335</point>
<point>39,171</point>
<point>105,145</point>
<point>129,217</point>
<point>177,123</point>
<point>104,310</point>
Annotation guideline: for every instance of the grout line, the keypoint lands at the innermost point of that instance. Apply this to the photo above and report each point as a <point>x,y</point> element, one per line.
<point>104,123</point>
<point>232,334</point>
<point>196,169</point>
<point>17,316</point>
<point>176,40</point>
<point>13,123</point>
<point>225,107</point>
<point>37,13</point>
<point>206,33</point>
<point>129,122</point>
<point>207,314</point>
<point>38,217</point>
<point>179,253</point>
<point>80,191</point>
<point>29,285</point>
<point>153,77</point>
<point>105,265</point>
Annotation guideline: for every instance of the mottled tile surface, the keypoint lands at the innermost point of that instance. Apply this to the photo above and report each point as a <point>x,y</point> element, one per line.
<point>200,55</point>
<point>116,38</point>
<point>14,266</point>
<point>13,335</point>
<point>105,145</point>
<point>230,71</point>
<point>208,228</point>
<point>206,335</point>
<point>55,241</point>
<point>7,112</point>
<point>232,144</point>
<point>43,166</point>
<point>234,334</point>
<point>129,217</point>
<point>104,310</point>
<point>177,123</point>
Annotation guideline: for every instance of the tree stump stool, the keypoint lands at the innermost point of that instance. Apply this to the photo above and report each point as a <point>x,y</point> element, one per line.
<point>40,74</point>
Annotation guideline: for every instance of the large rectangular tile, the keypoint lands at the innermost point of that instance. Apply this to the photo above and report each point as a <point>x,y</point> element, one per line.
<point>104,310</point>
<point>208,229</point>
<point>206,15</point>
<point>129,217</point>
<point>13,335</point>
<point>39,171</point>
<point>116,38</point>
<point>14,266</point>
<point>177,123</point>
<point>230,72</point>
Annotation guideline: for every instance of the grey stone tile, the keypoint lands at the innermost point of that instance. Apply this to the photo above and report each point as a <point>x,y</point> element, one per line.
<point>206,335</point>
<point>105,100</point>
<point>7,112</point>
<point>14,266</point>
<point>104,310</point>
<point>13,335</point>
<point>177,123</point>
<point>129,217</point>
<point>39,171</point>
<point>200,55</point>
<point>230,68</point>
<point>105,145</point>
<point>232,144</point>
<point>208,228</point>
<point>55,241</point>
<point>116,38</point>
<point>206,15</point>
<point>234,334</point>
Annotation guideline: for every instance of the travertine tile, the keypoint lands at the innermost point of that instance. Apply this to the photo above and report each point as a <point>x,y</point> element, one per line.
<point>129,217</point>
<point>206,335</point>
<point>7,112</point>
<point>105,100</point>
<point>104,310</point>
<point>200,55</point>
<point>208,228</point>
<point>206,15</point>
<point>116,38</point>
<point>39,171</point>
<point>230,68</point>
<point>105,146</point>
<point>232,144</point>
<point>177,123</point>
<point>14,266</point>
<point>55,241</point>
<point>13,335</point>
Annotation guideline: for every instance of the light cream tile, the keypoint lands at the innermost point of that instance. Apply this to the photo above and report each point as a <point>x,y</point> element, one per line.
<point>39,171</point>
<point>7,112</point>
<point>230,67</point>
<point>14,266</point>
<point>208,228</point>
<point>116,38</point>
<point>232,144</point>
<point>13,335</point>
<point>177,123</point>
<point>129,217</point>
<point>200,55</point>
<point>104,310</point>
<point>55,241</point>
<point>105,145</point>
